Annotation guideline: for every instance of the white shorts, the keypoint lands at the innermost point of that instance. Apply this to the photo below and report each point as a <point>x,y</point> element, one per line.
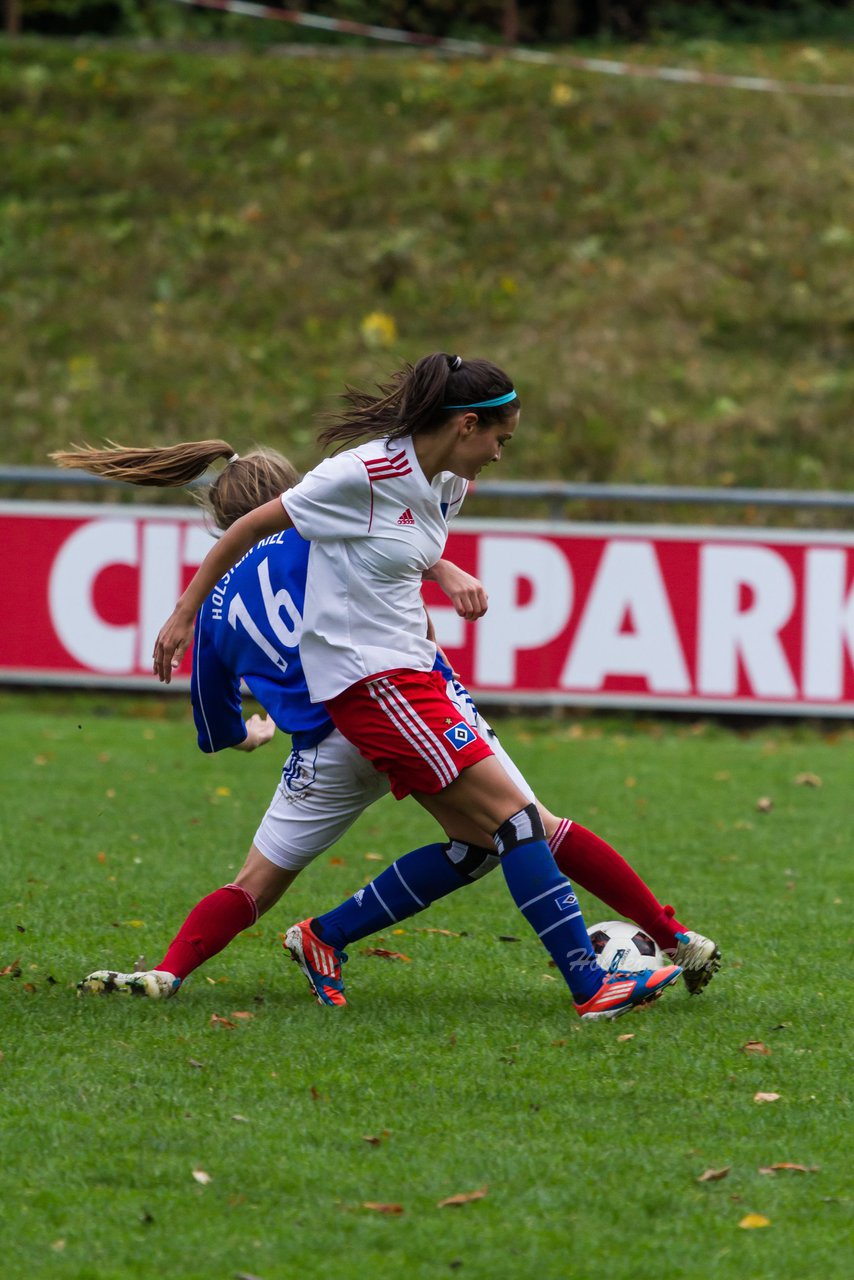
<point>326,788</point>
<point>322,792</point>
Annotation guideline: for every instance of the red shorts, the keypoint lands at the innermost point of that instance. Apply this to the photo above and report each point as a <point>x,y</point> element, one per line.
<point>406,725</point>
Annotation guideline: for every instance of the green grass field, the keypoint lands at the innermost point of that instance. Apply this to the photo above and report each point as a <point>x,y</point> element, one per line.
<point>464,1070</point>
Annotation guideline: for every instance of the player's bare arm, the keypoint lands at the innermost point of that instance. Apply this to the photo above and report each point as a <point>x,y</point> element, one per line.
<point>177,632</point>
<point>466,593</point>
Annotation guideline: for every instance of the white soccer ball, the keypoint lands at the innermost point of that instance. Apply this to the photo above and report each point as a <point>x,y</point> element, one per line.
<point>621,945</point>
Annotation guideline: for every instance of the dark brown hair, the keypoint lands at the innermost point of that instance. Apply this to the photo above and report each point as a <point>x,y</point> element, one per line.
<point>242,485</point>
<point>420,398</point>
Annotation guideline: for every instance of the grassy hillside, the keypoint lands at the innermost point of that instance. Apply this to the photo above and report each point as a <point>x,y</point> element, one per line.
<point>196,244</point>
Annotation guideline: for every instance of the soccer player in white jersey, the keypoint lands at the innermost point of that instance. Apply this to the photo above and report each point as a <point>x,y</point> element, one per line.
<point>376,517</point>
<point>325,783</point>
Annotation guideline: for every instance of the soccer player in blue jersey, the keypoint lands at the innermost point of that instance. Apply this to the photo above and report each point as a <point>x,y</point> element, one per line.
<point>377,515</point>
<point>250,626</point>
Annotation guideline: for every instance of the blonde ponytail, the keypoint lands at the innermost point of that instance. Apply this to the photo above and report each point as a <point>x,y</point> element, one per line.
<point>170,467</point>
<point>244,483</point>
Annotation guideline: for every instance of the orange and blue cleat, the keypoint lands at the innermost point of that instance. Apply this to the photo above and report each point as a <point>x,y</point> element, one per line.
<point>625,990</point>
<point>320,963</point>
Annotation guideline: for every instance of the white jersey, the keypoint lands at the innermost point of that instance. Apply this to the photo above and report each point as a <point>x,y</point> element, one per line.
<point>375,524</point>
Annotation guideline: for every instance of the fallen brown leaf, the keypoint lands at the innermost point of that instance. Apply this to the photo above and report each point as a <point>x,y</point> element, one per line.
<point>447,933</point>
<point>217,1021</point>
<point>507,937</point>
<point>242,1014</point>
<point>385,954</point>
<point>755,1046</point>
<point>11,970</point>
<point>764,804</point>
<point>787,1164</point>
<point>201,1176</point>
<point>627,1035</point>
<point>766,1097</point>
<point>464,1197</point>
<point>376,1139</point>
<point>807,780</point>
<point>378,1207</point>
<point>714,1175</point>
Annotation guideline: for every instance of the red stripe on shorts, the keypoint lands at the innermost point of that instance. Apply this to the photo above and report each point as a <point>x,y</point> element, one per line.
<point>413,729</point>
<point>400,721</point>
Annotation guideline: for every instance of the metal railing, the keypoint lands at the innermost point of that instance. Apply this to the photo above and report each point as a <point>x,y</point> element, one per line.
<point>556,494</point>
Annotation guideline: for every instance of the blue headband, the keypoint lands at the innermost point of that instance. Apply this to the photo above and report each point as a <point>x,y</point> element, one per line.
<point>484,404</point>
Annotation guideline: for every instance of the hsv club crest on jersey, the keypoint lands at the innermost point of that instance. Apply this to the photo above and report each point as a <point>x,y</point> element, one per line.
<point>459,735</point>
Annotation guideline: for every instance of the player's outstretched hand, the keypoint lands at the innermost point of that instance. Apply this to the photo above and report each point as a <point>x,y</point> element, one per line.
<point>171,644</point>
<point>466,593</point>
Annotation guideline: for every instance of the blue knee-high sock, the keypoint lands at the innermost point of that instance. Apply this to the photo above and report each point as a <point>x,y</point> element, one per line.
<point>548,902</point>
<point>409,885</point>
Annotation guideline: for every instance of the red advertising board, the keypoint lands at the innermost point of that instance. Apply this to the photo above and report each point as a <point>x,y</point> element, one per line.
<point>605,615</point>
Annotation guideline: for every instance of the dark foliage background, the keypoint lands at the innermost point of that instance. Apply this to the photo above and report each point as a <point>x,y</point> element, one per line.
<point>536,21</point>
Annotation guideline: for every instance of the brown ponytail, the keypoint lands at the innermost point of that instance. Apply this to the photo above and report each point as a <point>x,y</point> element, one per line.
<point>167,468</point>
<point>416,398</point>
<point>243,484</point>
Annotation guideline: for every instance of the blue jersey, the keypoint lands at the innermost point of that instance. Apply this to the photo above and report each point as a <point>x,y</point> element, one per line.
<point>249,628</point>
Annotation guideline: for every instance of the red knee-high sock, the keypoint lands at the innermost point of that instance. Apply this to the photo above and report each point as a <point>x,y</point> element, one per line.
<point>589,861</point>
<point>209,927</point>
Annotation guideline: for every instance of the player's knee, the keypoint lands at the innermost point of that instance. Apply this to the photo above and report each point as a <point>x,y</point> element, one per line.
<point>520,828</point>
<point>471,861</point>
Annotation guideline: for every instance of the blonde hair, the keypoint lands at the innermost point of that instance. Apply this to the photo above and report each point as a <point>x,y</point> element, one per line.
<point>243,484</point>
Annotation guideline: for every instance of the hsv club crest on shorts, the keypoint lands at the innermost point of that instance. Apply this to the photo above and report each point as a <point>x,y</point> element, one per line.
<point>459,735</point>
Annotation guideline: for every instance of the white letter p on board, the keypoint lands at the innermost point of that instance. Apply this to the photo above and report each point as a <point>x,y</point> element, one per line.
<point>509,626</point>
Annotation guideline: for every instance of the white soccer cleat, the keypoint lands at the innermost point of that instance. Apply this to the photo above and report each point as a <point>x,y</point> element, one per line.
<point>700,959</point>
<point>156,984</point>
